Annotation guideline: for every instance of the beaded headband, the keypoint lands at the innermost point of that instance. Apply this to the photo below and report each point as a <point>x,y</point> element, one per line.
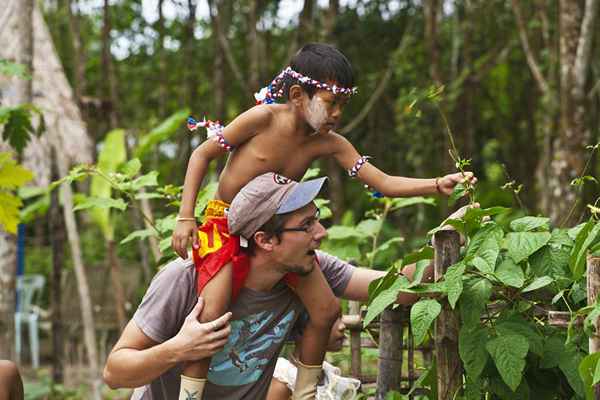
<point>274,90</point>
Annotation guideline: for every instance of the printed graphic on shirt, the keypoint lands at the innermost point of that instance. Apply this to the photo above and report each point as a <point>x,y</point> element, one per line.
<point>248,349</point>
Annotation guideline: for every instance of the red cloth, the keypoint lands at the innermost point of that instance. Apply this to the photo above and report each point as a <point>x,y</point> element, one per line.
<point>218,248</point>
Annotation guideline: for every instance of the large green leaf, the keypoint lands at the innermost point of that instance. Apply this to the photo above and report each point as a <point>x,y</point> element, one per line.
<point>526,224</point>
<point>550,261</point>
<point>422,314</point>
<point>488,234</point>
<point>584,240</point>
<point>149,179</point>
<point>162,132</point>
<point>12,175</point>
<point>401,202</point>
<point>475,295</point>
<point>112,154</point>
<point>510,273</point>
<point>519,326</point>
<point>538,283</point>
<point>385,298</point>
<point>554,346</point>
<point>9,211</point>
<point>139,234</point>
<point>569,365</point>
<point>369,227</point>
<point>100,203</point>
<point>508,353</point>
<point>589,372</point>
<point>471,347</point>
<point>521,245</point>
<point>454,282</point>
<point>339,232</point>
<point>16,125</point>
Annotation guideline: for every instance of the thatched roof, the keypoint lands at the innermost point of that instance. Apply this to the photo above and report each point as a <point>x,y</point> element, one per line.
<point>51,93</point>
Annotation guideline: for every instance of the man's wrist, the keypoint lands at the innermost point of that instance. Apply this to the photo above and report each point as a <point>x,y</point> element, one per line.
<point>172,351</point>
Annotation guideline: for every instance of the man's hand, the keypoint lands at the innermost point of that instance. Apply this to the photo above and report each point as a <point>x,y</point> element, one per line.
<point>336,337</point>
<point>447,183</point>
<point>184,231</point>
<point>197,340</point>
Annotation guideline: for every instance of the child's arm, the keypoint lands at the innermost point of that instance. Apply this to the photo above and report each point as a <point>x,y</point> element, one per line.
<point>236,133</point>
<point>392,186</point>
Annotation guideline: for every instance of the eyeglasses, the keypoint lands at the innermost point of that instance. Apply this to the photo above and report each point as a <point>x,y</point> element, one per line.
<point>307,227</point>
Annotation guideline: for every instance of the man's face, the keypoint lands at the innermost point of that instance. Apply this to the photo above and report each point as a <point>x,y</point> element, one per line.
<point>324,110</point>
<point>295,252</point>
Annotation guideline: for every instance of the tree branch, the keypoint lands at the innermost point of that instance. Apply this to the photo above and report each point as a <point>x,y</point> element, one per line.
<point>531,60</point>
<point>387,75</point>
<point>214,14</point>
<point>584,46</point>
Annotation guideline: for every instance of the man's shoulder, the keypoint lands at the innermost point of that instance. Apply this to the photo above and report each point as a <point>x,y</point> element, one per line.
<point>176,269</point>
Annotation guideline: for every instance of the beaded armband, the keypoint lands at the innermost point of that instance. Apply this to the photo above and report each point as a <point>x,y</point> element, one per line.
<point>214,129</point>
<point>353,172</point>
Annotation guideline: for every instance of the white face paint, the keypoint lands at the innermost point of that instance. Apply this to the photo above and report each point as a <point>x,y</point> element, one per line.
<point>316,113</point>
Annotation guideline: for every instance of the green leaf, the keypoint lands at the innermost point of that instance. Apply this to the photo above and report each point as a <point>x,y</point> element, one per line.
<point>454,282</point>
<point>422,314</point>
<point>149,179</point>
<point>521,245</point>
<point>510,273</point>
<point>101,203</point>
<point>131,168</point>
<point>538,283</point>
<point>485,238</point>
<point>526,224</point>
<point>17,128</point>
<point>401,202</point>
<point>588,368</point>
<point>420,267</point>
<point>508,353</point>
<point>9,68</point>
<point>482,265</point>
<point>459,191</point>
<point>560,237</point>
<point>550,261</point>
<point>12,175</point>
<point>9,211</point>
<point>387,245</point>
<point>424,253</point>
<point>338,232</point>
<point>369,227</point>
<point>569,365</point>
<point>311,173</point>
<point>162,132</point>
<point>519,326</point>
<point>471,347</point>
<point>148,195</point>
<point>554,346</point>
<point>385,298</point>
<point>584,240</point>
<point>36,209</point>
<point>475,295</point>
<point>139,234</point>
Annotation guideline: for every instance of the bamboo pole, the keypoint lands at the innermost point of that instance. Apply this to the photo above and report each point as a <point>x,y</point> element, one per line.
<point>593,288</point>
<point>449,367</point>
<point>390,353</point>
<point>355,342</point>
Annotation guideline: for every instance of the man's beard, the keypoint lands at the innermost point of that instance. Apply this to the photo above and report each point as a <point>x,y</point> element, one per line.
<point>299,269</point>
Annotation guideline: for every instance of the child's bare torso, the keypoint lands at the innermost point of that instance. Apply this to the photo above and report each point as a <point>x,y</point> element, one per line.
<point>279,148</point>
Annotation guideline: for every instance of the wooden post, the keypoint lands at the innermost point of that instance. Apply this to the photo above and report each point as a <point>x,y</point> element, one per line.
<point>355,345</point>
<point>411,356</point>
<point>449,367</point>
<point>390,353</point>
<point>593,288</point>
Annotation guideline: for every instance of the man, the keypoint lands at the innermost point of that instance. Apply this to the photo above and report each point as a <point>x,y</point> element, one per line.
<point>160,337</point>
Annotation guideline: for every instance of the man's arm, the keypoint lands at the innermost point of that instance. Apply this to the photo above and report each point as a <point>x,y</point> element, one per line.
<point>137,360</point>
<point>358,286</point>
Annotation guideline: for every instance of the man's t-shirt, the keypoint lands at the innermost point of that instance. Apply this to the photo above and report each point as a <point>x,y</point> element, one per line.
<point>260,324</point>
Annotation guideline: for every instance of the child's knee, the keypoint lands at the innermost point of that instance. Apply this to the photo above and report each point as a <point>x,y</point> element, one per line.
<point>328,313</point>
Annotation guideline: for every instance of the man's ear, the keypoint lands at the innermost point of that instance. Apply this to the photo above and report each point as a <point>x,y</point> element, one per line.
<point>296,93</point>
<point>263,241</point>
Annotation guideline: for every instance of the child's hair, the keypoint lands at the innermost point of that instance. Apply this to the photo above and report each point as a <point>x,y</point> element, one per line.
<point>321,62</point>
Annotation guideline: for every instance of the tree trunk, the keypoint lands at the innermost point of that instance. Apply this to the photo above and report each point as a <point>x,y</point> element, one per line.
<point>89,334</point>
<point>57,238</point>
<point>107,68</point>
<point>576,33</point>
<point>430,8</point>
<point>162,62</point>
<point>79,59</point>
<point>253,46</point>
<point>8,242</point>
<point>117,283</point>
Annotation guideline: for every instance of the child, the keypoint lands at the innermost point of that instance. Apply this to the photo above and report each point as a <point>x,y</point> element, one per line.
<point>286,139</point>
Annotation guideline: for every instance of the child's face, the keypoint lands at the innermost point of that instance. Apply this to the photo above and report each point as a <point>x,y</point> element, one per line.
<point>324,109</point>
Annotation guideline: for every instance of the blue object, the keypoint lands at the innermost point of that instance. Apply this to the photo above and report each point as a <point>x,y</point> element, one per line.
<point>27,288</point>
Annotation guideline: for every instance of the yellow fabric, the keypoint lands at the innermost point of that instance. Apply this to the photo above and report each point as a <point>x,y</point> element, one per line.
<point>191,388</point>
<point>215,209</point>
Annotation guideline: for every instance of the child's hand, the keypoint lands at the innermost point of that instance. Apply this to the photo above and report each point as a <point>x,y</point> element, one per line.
<point>446,183</point>
<point>184,230</point>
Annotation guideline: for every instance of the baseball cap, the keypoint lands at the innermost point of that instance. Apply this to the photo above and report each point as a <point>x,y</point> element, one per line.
<point>266,195</point>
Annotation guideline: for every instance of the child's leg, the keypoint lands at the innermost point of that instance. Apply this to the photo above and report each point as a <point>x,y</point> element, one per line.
<point>217,296</point>
<point>323,309</point>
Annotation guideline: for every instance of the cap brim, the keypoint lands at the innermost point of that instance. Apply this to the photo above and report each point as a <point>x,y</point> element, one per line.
<point>301,195</point>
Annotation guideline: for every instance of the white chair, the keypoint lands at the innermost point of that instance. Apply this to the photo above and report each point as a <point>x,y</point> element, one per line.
<point>28,286</point>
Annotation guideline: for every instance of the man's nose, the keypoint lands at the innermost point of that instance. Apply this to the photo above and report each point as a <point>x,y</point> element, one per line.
<point>320,232</point>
